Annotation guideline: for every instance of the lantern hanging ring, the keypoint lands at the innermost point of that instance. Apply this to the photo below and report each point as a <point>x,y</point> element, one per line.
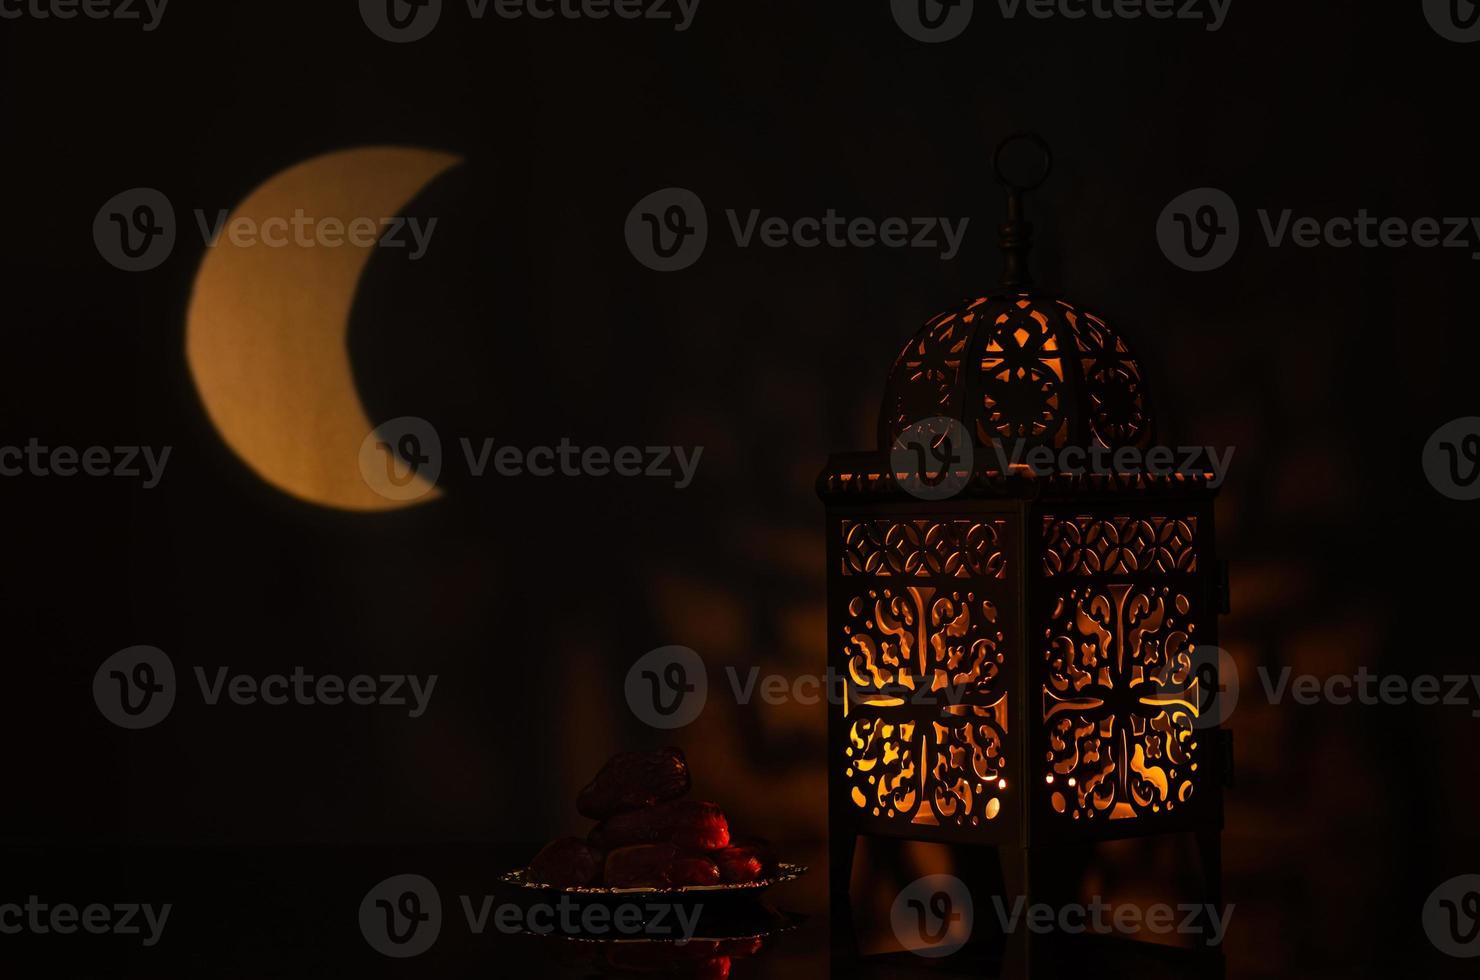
<point>1045,170</point>
<point>1016,234</point>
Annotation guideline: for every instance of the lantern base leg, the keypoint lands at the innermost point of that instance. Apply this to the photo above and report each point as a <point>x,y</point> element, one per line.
<point>1017,884</point>
<point>841,846</point>
<point>1210,849</point>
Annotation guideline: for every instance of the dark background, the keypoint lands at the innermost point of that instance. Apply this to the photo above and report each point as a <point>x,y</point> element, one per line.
<point>529,320</point>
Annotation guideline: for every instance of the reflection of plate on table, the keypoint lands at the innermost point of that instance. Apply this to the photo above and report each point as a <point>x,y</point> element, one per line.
<point>701,927</point>
<point>744,932</point>
<point>686,893</point>
<point>719,940</point>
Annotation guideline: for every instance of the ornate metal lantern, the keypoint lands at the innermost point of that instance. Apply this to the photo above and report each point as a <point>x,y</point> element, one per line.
<point>1019,644</point>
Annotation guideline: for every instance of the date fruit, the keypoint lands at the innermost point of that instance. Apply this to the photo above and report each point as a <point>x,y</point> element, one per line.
<point>634,780</point>
<point>640,866</point>
<point>693,871</point>
<point>739,864</point>
<point>690,824</point>
<point>566,863</point>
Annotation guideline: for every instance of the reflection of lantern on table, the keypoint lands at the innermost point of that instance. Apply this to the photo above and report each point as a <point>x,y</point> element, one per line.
<point>1020,645</point>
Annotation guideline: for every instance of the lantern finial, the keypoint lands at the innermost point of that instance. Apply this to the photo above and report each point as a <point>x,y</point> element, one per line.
<point>1016,233</point>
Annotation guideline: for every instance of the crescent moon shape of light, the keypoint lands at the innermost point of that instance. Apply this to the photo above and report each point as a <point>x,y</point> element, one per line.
<point>267,328</point>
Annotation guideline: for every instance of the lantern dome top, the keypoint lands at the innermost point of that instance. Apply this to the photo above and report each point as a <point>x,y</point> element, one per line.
<point>1020,368</point>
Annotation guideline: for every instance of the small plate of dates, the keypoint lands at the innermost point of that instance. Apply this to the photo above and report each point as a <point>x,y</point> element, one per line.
<point>648,839</point>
